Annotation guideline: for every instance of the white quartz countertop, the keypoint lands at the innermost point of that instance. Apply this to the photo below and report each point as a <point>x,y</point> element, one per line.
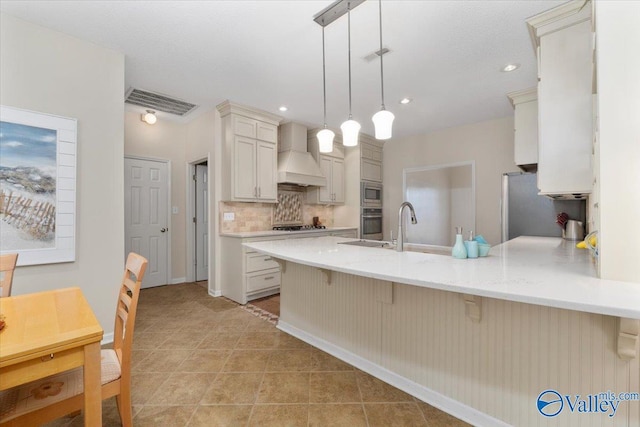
<point>544,271</point>
<point>267,233</point>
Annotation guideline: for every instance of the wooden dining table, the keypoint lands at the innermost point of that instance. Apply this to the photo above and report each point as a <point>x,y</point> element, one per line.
<point>51,332</point>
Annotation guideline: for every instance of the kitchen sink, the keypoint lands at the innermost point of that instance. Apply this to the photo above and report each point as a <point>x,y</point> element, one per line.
<point>408,247</point>
<point>368,243</point>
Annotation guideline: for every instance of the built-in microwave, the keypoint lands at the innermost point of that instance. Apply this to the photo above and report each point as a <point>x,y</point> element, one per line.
<point>371,194</point>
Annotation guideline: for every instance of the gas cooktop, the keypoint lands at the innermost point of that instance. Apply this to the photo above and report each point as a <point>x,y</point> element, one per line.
<point>298,227</point>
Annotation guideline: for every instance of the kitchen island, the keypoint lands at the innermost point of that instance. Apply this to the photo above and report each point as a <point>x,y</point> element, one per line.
<point>478,338</point>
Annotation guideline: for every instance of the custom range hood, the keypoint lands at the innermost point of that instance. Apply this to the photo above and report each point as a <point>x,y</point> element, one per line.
<point>295,164</point>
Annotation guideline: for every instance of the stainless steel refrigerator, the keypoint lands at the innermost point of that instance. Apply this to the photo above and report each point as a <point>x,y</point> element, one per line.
<point>525,213</point>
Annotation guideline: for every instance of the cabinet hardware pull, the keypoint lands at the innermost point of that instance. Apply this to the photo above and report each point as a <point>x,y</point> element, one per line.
<point>47,358</point>
<point>269,278</point>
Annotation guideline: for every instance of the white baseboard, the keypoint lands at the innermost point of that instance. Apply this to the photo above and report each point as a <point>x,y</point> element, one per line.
<point>432,397</point>
<point>107,339</point>
<point>215,293</point>
<point>178,280</point>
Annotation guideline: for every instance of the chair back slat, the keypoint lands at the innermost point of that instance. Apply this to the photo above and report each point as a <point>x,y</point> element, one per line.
<point>135,268</point>
<point>7,266</point>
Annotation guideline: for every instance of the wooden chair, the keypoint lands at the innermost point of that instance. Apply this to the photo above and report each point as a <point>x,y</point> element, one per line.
<point>44,400</point>
<point>7,265</point>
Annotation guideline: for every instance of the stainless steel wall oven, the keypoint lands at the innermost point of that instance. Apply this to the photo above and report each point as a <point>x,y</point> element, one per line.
<point>371,223</point>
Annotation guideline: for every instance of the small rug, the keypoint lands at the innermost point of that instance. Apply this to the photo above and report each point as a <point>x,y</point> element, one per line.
<point>265,308</point>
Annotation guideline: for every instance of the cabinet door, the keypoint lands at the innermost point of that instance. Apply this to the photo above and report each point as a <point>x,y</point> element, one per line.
<point>244,167</point>
<point>326,192</point>
<point>267,169</point>
<point>526,133</point>
<point>243,126</point>
<point>371,170</point>
<point>565,111</point>
<point>337,180</point>
<point>267,132</point>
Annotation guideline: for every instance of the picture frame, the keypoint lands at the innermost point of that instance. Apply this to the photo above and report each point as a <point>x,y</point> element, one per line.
<point>38,155</point>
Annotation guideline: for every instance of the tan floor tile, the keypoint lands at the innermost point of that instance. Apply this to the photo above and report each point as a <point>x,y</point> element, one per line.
<point>374,390</point>
<point>247,361</point>
<point>321,361</point>
<point>182,389</point>
<point>287,341</point>
<point>394,415</point>
<point>220,341</point>
<point>143,385</point>
<point>289,360</point>
<point>184,340</point>
<point>284,387</point>
<point>149,340</point>
<point>258,340</point>
<point>205,361</point>
<point>221,416</point>
<point>437,418</point>
<point>233,389</point>
<point>279,416</point>
<point>232,325</point>
<point>163,361</point>
<point>333,387</point>
<point>344,415</point>
<point>154,416</point>
<point>258,324</point>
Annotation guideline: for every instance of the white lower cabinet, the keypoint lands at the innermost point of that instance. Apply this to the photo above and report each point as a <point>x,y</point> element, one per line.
<point>247,275</point>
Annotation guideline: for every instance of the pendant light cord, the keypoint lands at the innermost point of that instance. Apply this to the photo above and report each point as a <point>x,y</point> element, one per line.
<point>381,55</point>
<point>349,42</point>
<point>324,81</point>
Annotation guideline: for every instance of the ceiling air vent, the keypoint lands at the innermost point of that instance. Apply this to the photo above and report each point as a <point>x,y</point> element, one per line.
<point>154,101</point>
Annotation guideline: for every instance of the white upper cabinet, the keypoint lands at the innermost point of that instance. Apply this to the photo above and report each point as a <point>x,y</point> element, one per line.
<point>332,167</point>
<point>249,154</point>
<point>370,159</point>
<point>525,124</point>
<point>564,38</point>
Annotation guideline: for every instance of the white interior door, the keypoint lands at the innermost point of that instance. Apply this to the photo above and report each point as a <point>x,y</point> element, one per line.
<point>202,223</point>
<point>146,205</point>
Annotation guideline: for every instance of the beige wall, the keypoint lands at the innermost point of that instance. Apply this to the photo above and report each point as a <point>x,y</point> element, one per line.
<point>47,71</point>
<point>489,143</point>
<point>618,65</point>
<point>164,140</point>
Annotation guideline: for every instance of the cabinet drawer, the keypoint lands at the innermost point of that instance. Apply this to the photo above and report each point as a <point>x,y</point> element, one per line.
<point>263,281</point>
<point>244,127</point>
<point>267,132</point>
<point>258,262</point>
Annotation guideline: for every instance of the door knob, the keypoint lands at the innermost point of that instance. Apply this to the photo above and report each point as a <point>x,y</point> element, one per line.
<point>162,230</point>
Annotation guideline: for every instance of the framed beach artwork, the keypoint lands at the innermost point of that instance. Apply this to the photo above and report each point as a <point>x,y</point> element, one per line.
<point>37,186</point>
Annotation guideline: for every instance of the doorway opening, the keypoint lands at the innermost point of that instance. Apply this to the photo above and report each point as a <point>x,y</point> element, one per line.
<point>199,227</point>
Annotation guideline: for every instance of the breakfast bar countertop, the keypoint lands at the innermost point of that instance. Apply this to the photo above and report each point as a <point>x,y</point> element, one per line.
<point>544,271</point>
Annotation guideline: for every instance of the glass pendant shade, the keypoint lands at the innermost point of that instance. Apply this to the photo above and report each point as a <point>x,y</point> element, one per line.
<point>325,140</point>
<point>383,122</point>
<point>350,130</point>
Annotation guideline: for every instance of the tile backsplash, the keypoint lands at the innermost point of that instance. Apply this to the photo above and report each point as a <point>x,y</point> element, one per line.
<point>259,216</point>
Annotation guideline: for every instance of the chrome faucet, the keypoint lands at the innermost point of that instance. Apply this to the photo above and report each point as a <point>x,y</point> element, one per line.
<point>400,244</point>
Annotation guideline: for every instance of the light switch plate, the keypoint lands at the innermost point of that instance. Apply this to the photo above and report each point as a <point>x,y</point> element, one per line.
<point>229,216</point>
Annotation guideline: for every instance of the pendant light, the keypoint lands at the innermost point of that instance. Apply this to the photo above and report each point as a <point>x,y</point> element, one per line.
<point>383,119</point>
<point>350,128</point>
<point>325,136</point>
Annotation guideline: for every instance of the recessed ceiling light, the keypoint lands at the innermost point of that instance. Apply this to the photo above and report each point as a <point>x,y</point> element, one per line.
<point>510,67</point>
<point>405,100</point>
<point>283,108</point>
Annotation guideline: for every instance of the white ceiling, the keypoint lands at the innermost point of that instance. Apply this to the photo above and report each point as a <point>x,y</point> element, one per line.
<point>445,55</point>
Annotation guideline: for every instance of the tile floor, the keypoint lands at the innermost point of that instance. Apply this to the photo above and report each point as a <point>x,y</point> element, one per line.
<point>203,361</point>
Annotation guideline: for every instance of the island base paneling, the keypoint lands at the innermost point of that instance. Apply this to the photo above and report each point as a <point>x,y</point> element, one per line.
<point>488,372</point>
